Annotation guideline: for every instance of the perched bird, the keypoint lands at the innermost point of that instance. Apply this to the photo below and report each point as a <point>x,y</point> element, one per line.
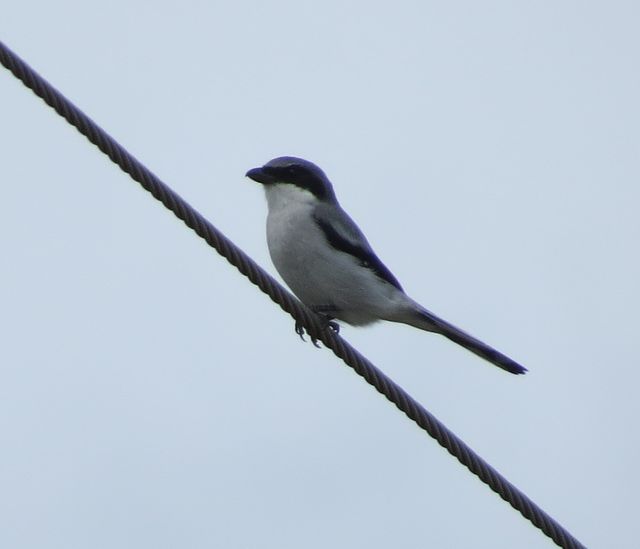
<point>330,266</point>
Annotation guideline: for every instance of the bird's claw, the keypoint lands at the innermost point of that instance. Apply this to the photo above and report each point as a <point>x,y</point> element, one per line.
<point>299,328</point>
<point>301,331</point>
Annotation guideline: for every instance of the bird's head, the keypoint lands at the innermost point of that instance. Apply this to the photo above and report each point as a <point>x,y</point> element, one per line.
<point>291,172</point>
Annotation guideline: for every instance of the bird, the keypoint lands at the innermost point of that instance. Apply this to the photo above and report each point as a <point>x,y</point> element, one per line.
<point>328,263</point>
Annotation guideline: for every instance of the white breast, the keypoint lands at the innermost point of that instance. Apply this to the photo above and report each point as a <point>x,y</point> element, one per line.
<point>295,242</point>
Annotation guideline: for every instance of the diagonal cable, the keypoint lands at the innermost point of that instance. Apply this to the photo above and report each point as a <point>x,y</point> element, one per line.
<point>361,365</point>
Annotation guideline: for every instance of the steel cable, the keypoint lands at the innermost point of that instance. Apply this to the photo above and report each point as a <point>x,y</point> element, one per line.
<point>314,327</point>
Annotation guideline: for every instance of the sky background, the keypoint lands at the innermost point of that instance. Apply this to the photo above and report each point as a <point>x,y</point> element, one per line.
<point>151,397</point>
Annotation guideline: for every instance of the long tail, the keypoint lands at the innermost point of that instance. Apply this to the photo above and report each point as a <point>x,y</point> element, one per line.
<point>426,320</point>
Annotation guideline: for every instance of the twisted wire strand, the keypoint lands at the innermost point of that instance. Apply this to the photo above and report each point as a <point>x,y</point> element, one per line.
<point>314,327</point>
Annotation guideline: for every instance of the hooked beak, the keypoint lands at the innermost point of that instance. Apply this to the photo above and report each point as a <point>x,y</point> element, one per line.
<point>260,175</point>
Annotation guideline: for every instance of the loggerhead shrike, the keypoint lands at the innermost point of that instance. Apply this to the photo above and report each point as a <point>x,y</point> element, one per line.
<point>328,263</point>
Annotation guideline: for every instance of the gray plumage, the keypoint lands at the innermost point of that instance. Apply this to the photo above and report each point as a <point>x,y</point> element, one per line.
<point>327,262</point>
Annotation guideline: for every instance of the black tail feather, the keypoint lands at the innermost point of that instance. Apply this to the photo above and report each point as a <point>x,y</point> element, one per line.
<point>432,323</point>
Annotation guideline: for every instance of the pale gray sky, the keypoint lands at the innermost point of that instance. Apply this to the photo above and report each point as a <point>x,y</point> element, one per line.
<point>151,397</point>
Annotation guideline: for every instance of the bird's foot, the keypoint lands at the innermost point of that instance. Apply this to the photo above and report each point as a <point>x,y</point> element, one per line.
<point>332,325</point>
<point>301,331</point>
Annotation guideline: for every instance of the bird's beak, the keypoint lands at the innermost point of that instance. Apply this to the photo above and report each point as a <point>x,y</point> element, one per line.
<point>260,175</point>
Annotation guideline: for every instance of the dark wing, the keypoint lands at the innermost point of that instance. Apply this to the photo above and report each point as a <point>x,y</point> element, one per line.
<point>344,235</point>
